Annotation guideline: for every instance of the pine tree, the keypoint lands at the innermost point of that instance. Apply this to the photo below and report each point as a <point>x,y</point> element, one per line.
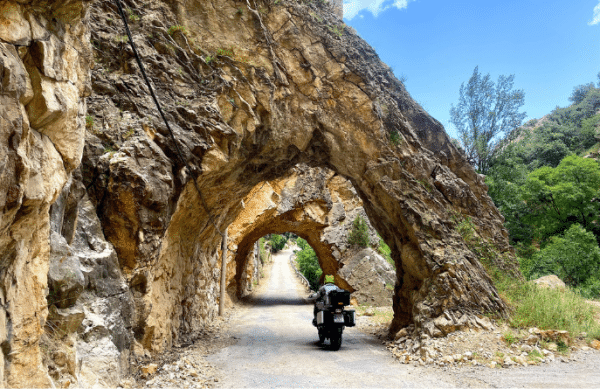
<point>359,235</point>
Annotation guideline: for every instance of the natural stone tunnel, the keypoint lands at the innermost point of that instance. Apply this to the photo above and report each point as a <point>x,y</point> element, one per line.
<point>315,204</point>
<point>250,95</point>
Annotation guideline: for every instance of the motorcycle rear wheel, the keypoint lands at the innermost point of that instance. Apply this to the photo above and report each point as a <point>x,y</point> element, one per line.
<point>335,341</point>
<point>322,335</point>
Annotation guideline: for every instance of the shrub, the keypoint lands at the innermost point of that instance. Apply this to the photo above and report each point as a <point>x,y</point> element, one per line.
<point>308,264</point>
<point>174,29</point>
<point>262,251</point>
<point>386,252</point>
<point>395,138</point>
<point>359,235</point>
<point>89,122</point>
<point>574,257</point>
<point>277,242</point>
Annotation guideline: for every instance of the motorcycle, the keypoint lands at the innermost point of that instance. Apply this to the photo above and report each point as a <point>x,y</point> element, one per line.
<point>332,317</point>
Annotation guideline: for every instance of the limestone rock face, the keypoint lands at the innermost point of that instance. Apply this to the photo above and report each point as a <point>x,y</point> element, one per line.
<point>315,204</point>
<point>91,306</point>
<point>319,206</point>
<point>249,96</point>
<point>370,275</point>
<point>65,279</point>
<point>41,142</point>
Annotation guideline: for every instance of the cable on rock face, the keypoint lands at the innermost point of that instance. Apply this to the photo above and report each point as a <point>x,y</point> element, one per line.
<point>160,111</point>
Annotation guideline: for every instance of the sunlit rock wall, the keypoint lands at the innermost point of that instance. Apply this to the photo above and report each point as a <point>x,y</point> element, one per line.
<point>44,77</point>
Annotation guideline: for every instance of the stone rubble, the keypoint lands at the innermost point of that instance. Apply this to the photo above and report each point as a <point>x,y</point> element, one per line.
<point>184,366</point>
<point>500,347</point>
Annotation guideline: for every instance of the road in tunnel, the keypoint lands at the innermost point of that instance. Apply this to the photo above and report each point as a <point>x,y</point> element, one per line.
<point>278,346</point>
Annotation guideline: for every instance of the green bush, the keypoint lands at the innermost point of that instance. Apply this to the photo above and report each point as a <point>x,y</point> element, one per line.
<point>277,242</point>
<point>302,244</point>
<point>386,252</point>
<point>308,264</point>
<point>359,235</point>
<point>395,138</point>
<point>174,29</point>
<point>574,257</point>
<point>262,251</point>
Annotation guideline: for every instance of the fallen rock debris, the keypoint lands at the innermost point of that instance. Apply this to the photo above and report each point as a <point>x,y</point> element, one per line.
<point>185,366</point>
<point>501,347</point>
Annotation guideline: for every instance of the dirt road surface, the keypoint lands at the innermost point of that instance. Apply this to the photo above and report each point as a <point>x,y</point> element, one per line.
<point>278,347</point>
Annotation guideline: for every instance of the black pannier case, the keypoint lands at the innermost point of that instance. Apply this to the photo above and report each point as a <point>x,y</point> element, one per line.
<point>349,318</point>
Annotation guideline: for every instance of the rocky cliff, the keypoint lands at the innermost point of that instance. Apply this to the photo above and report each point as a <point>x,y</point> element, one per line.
<point>44,79</point>
<point>251,89</point>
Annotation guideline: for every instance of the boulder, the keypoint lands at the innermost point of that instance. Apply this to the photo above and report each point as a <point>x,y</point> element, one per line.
<point>551,282</point>
<point>370,275</point>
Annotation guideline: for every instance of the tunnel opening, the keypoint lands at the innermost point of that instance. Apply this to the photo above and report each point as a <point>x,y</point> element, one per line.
<point>319,211</point>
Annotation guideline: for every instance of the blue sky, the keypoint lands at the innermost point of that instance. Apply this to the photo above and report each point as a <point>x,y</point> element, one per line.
<point>550,46</point>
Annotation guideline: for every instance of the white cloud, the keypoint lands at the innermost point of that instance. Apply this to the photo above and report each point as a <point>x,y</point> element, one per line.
<point>353,7</point>
<point>595,20</point>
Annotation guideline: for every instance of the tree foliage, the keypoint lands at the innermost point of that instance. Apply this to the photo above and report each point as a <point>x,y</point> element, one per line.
<point>549,193</point>
<point>308,264</point>
<point>574,257</point>
<point>579,92</point>
<point>277,242</point>
<point>485,111</point>
<point>359,235</point>
<point>560,197</point>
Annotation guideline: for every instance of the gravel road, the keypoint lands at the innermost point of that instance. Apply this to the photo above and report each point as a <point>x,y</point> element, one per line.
<point>278,347</point>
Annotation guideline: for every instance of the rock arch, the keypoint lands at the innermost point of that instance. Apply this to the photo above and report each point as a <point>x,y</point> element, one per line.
<point>313,203</point>
<point>326,101</point>
<point>249,95</point>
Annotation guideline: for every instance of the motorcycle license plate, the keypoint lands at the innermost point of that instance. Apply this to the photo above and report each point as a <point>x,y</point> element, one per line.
<point>338,318</point>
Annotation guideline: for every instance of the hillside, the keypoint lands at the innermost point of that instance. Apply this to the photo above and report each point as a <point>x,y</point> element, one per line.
<point>545,180</point>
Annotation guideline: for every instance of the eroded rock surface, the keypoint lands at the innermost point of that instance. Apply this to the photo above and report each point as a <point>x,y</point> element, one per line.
<point>250,93</point>
<point>44,77</point>
<point>319,206</point>
<point>370,275</point>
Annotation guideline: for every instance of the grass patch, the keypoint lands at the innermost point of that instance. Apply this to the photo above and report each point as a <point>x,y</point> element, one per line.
<point>552,309</point>
<point>531,305</point>
<point>509,338</point>
<point>175,29</point>
<point>535,355</point>
<point>381,315</point>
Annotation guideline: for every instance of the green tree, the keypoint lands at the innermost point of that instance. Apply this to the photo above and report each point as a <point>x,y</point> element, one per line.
<point>505,178</point>
<point>560,197</point>
<point>574,257</point>
<point>308,264</point>
<point>579,92</point>
<point>484,113</point>
<point>277,242</point>
<point>360,232</point>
